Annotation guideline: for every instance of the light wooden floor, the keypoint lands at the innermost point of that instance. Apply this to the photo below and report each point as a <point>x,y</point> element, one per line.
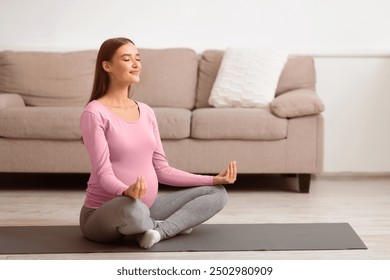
<point>363,202</point>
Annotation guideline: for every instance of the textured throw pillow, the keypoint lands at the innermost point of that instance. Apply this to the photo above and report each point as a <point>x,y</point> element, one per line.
<point>297,103</point>
<point>247,77</point>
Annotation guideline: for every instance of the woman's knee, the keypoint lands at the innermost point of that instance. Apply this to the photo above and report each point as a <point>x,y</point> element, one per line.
<point>223,195</point>
<point>136,214</point>
<point>220,194</point>
<point>99,231</point>
<point>118,217</point>
<point>130,208</point>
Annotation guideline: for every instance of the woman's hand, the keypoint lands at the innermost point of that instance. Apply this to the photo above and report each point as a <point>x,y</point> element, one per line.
<point>227,176</point>
<point>137,190</point>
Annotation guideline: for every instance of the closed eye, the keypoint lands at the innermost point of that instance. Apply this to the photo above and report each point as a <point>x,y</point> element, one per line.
<point>126,57</point>
<point>137,59</point>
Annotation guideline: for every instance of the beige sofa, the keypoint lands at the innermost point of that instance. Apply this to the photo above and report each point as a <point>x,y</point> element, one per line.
<point>42,95</point>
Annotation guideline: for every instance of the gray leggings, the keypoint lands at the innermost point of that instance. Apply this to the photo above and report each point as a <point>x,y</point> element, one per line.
<point>178,211</point>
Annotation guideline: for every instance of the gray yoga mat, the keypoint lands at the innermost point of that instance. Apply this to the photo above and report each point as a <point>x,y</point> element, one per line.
<point>206,237</point>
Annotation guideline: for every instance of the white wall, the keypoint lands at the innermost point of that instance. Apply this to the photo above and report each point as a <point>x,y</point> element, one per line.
<point>356,93</point>
<point>349,39</point>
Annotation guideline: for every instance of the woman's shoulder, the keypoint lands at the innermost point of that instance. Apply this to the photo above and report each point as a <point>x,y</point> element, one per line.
<point>94,108</point>
<point>145,108</point>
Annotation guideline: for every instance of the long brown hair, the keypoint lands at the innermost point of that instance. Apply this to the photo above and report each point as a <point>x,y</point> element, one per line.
<point>106,52</point>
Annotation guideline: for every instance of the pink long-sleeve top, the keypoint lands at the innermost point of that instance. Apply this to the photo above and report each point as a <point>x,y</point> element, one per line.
<point>122,150</point>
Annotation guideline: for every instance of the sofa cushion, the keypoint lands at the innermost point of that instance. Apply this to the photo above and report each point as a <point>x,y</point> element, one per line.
<point>247,77</point>
<point>298,72</point>
<point>41,122</point>
<point>173,123</point>
<point>209,64</point>
<point>238,124</point>
<point>168,78</point>
<point>48,78</point>
<point>297,103</point>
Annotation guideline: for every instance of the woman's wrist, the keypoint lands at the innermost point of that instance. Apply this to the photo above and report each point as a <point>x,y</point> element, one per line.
<point>124,193</point>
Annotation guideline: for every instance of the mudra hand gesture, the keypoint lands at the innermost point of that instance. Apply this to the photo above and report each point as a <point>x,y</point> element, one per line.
<point>227,176</point>
<point>138,189</point>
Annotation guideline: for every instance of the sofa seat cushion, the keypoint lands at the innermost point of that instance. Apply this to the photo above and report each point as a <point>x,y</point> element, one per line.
<point>237,124</point>
<point>173,123</point>
<point>62,123</point>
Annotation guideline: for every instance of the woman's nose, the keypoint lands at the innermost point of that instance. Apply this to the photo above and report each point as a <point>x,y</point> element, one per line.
<point>134,65</point>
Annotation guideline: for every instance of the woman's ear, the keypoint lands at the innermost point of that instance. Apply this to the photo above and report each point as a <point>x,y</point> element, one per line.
<point>106,66</point>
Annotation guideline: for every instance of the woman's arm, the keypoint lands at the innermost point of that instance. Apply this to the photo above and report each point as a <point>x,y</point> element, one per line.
<point>175,177</point>
<point>92,130</point>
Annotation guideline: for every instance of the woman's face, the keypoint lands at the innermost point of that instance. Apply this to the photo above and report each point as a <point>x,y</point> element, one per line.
<point>125,65</point>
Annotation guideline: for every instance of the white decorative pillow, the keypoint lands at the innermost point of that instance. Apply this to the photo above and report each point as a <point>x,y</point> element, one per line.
<point>247,77</point>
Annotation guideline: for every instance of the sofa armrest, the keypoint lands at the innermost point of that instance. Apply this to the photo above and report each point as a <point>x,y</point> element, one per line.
<point>11,100</point>
<point>297,103</point>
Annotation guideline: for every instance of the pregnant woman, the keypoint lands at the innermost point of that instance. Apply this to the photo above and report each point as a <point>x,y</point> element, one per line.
<point>128,161</point>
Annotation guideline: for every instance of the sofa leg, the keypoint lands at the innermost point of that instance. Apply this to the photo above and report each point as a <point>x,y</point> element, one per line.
<point>304,182</point>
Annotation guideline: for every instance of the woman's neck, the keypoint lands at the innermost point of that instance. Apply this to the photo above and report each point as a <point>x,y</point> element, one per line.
<point>117,96</point>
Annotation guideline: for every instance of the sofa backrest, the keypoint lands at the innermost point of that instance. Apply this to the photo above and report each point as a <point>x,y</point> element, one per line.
<point>299,72</point>
<point>168,78</point>
<point>48,78</point>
